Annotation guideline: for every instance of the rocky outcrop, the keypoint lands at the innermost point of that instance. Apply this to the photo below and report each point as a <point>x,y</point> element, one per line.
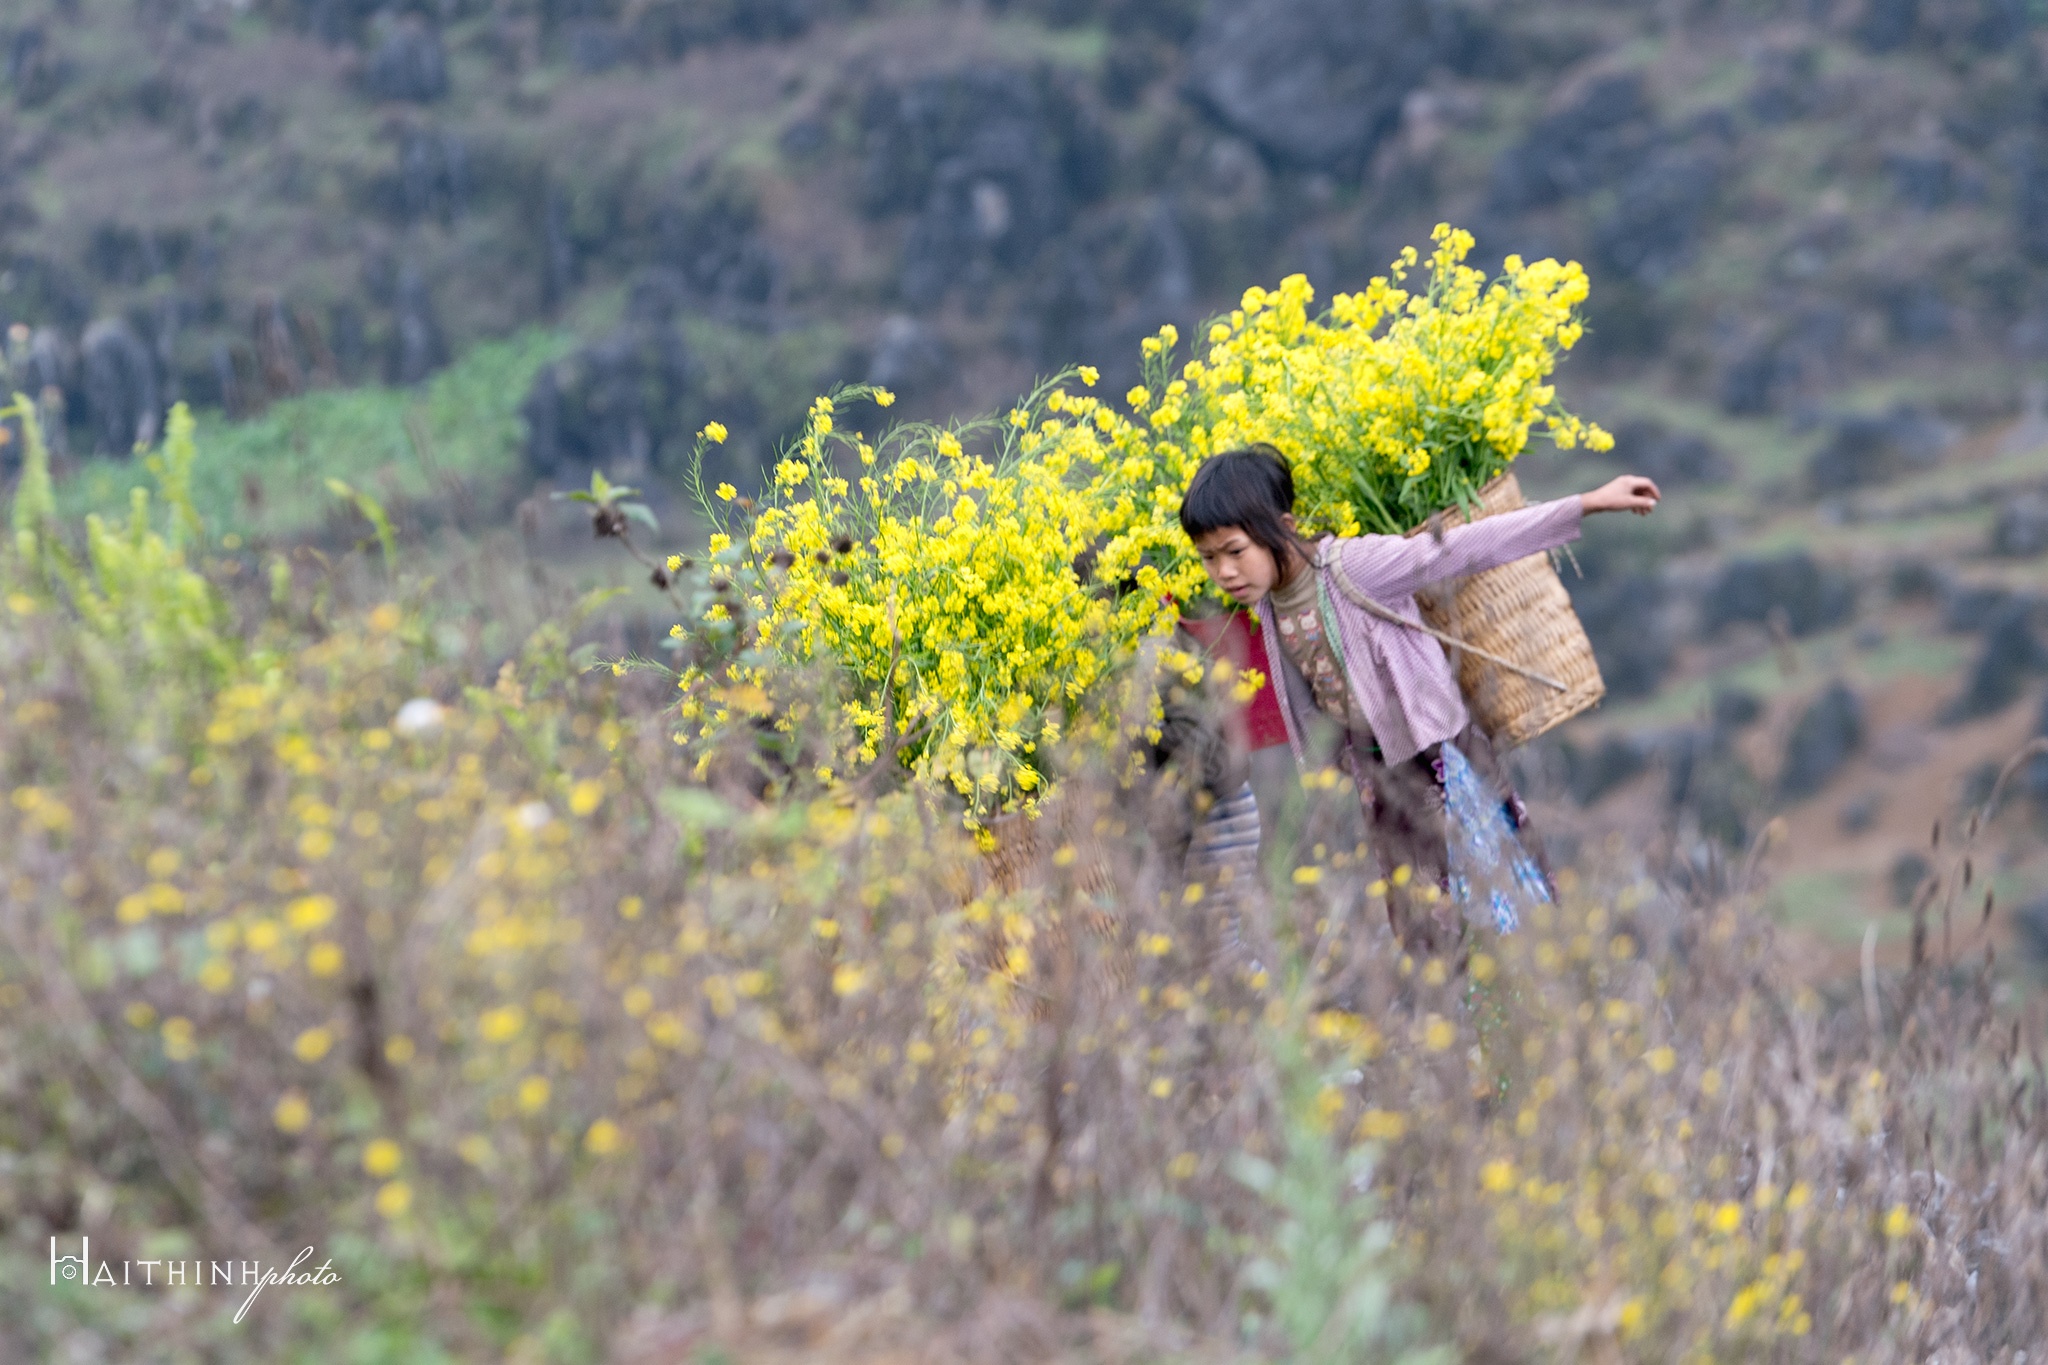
<point>616,405</point>
<point>2011,655</point>
<point>123,391</point>
<point>2020,529</point>
<point>991,161</point>
<point>1598,134</point>
<point>1826,736</point>
<point>1870,450</point>
<point>418,345</point>
<point>1811,597</point>
<point>408,63</point>
<point>1315,83</point>
<point>1675,459</point>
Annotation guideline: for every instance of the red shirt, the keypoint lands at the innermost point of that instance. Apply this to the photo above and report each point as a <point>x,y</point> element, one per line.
<point>1232,637</point>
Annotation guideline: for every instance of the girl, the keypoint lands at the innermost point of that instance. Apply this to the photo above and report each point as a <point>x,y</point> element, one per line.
<point>1434,799</point>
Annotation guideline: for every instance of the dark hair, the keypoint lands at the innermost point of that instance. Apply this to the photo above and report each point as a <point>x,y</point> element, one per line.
<point>1250,489</point>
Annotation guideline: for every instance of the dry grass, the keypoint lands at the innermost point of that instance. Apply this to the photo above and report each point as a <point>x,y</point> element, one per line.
<point>687,1071</point>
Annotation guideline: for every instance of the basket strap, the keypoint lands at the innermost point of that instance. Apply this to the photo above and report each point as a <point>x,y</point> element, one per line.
<point>1386,613</point>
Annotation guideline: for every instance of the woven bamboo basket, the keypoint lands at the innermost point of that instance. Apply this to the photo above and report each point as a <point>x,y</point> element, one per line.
<point>1519,611</point>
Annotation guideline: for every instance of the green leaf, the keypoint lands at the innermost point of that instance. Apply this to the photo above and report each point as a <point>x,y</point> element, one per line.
<point>640,512</point>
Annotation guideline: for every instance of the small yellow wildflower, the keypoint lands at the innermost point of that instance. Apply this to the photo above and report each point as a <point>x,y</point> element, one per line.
<point>292,1112</point>
<point>393,1199</point>
<point>383,1157</point>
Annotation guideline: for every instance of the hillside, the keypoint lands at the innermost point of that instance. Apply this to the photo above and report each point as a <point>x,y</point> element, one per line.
<point>534,237</point>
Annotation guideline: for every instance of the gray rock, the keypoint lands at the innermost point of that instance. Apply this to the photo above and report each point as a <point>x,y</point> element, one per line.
<point>1869,450</point>
<point>993,161</point>
<point>1924,179</point>
<point>1827,734</point>
<point>713,239</point>
<point>1735,708</point>
<point>1658,215</point>
<point>1786,86</point>
<point>2030,925</point>
<point>1673,458</point>
<point>1860,813</point>
<point>2033,776</point>
<point>418,346</point>
<point>1798,354</point>
<point>2012,653</point>
<point>1618,613</point>
<point>123,392</point>
<point>1888,24</point>
<point>1602,134</point>
<point>1974,606</point>
<point>2030,200</point>
<point>909,357</point>
<point>1315,83</point>
<point>1909,870</point>
<point>2021,527</point>
<point>408,63</point>
<point>1591,774</point>
<point>1812,597</point>
<point>1913,579</point>
<point>1918,315</point>
<point>616,405</point>
<point>1707,776</point>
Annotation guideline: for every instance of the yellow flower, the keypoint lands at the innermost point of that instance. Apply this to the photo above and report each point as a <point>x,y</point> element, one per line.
<point>603,1138</point>
<point>382,1157</point>
<point>675,562</point>
<point>292,1113</point>
<point>305,915</point>
<point>1660,1060</point>
<point>180,1042</point>
<point>1381,1125</point>
<point>720,543</point>
<point>1089,375</point>
<point>324,959</point>
<point>714,432</point>
<point>502,1024</point>
<point>533,1094</point>
<point>1161,1087</point>
<point>586,796</point>
<point>1497,1177</point>
<point>884,398</point>
<point>393,1199</point>
<point>1898,1222</point>
<point>313,1044</point>
<point>1438,1033</point>
<point>725,491</point>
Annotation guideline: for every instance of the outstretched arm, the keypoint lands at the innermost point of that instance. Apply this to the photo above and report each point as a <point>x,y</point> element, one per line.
<point>1394,566</point>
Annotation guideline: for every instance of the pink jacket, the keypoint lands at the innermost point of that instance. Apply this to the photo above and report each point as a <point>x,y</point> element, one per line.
<point>1401,681</point>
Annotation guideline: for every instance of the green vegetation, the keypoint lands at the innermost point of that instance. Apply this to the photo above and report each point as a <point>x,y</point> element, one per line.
<point>266,476</point>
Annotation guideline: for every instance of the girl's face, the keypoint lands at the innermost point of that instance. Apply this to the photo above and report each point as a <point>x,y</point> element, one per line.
<point>1238,564</point>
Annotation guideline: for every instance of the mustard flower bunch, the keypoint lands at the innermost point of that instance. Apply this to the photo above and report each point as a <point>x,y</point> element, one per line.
<point>1394,403</point>
<point>979,586</point>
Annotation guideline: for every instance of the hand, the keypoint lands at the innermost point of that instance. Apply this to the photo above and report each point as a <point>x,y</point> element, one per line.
<point>1629,493</point>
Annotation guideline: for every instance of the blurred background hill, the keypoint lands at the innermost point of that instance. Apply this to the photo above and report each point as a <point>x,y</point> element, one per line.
<point>461,252</point>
